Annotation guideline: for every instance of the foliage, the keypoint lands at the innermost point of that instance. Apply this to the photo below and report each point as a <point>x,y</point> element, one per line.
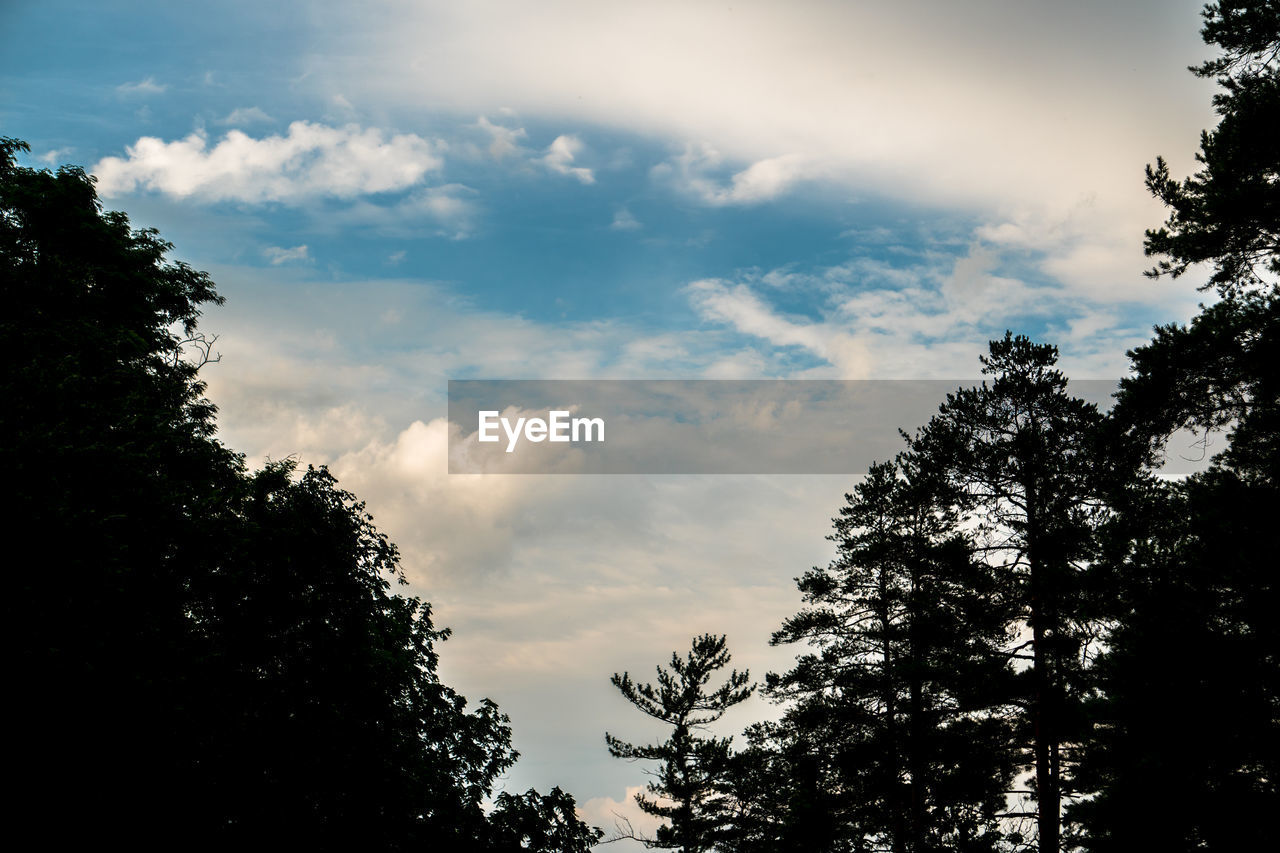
<point>1184,699</point>
<point>540,823</point>
<point>201,653</point>
<point>1228,213</point>
<point>1028,463</point>
<point>905,628</point>
<point>688,790</point>
<point>1184,702</point>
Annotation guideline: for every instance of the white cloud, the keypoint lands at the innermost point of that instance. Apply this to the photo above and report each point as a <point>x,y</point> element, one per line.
<point>623,220</point>
<point>761,181</point>
<point>560,156</point>
<point>621,817</point>
<point>147,86</point>
<point>737,306</point>
<point>504,141</point>
<point>310,161</point>
<point>996,113</point>
<point>450,209</point>
<point>247,115</point>
<point>52,156</point>
<point>278,255</point>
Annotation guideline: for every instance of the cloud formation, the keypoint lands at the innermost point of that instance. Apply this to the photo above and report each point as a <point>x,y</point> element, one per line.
<point>310,161</point>
<point>560,157</point>
<point>762,181</point>
<point>145,86</point>
<point>278,255</point>
<point>246,115</point>
<point>988,108</point>
<point>504,141</point>
<point>624,220</point>
<point>738,306</point>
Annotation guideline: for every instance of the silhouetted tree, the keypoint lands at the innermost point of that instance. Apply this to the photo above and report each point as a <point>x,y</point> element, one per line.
<point>331,725</point>
<point>1226,213</point>
<point>1026,460</point>
<point>689,788</point>
<point>539,823</point>
<point>785,791</point>
<point>1185,747</point>
<point>906,629</point>
<point>106,443</point>
<point>1185,720</point>
<point>202,657</point>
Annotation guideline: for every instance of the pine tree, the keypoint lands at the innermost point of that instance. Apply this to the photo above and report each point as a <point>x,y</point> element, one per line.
<point>689,789</point>
<point>905,627</point>
<point>1185,720</point>
<point>1024,458</point>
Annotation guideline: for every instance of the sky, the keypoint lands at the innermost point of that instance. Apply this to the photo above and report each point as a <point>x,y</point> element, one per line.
<point>393,194</point>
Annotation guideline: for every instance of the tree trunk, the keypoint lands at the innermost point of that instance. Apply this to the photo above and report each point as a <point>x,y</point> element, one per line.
<point>1042,711</point>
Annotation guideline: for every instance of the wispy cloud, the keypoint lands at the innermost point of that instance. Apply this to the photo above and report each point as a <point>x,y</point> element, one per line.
<point>623,220</point>
<point>504,141</point>
<point>246,115</point>
<point>739,307</point>
<point>561,155</point>
<point>762,181</point>
<point>146,86</point>
<point>309,161</point>
<point>279,255</point>
<point>450,209</point>
<point>52,156</point>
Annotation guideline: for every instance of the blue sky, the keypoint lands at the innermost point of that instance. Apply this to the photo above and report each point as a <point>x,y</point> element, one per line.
<point>393,194</point>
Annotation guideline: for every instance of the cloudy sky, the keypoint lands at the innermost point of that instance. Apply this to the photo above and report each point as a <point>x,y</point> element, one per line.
<point>393,194</point>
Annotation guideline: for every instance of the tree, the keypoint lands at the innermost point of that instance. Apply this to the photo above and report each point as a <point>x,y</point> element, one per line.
<point>199,652</point>
<point>1184,749</point>
<point>106,441</point>
<point>1185,697</point>
<point>540,823</point>
<point>906,628</point>
<point>785,792</point>
<point>1228,213</point>
<point>330,726</point>
<point>689,787</point>
<point>1025,460</point>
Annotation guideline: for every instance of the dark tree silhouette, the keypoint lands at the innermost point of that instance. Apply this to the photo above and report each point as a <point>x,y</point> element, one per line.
<point>786,792</point>
<point>906,629</point>
<point>1228,213</point>
<point>689,788</point>
<point>203,657</point>
<point>1026,460</point>
<point>1185,746</point>
<point>106,441</point>
<point>539,823</point>
<point>1185,719</point>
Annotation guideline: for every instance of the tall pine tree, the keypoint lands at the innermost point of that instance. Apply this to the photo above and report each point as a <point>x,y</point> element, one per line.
<point>905,628</point>
<point>1023,458</point>
<point>689,789</point>
<point>1185,719</point>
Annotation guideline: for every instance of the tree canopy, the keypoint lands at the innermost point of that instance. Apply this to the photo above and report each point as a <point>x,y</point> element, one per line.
<point>204,655</point>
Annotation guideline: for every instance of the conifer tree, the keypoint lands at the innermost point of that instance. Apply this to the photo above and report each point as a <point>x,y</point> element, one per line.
<point>1024,459</point>
<point>905,628</point>
<point>689,789</point>
<point>1184,716</point>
